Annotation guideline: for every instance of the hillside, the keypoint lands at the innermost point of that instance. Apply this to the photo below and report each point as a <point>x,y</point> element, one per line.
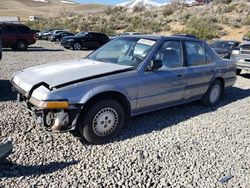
<point>45,8</point>
<point>231,21</point>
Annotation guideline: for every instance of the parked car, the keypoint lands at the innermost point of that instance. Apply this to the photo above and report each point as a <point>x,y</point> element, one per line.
<point>224,47</point>
<point>52,32</point>
<point>16,36</point>
<point>0,49</point>
<point>241,55</point>
<point>58,36</point>
<point>123,34</point>
<point>39,35</point>
<point>87,40</point>
<point>128,76</point>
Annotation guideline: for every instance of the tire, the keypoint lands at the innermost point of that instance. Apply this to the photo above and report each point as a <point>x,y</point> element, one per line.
<point>57,40</point>
<point>77,46</point>
<point>213,94</point>
<point>102,121</point>
<point>238,71</point>
<point>21,45</point>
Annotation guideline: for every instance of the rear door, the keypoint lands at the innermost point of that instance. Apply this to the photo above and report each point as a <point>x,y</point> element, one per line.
<point>8,35</point>
<point>166,85</point>
<point>90,41</point>
<point>201,69</point>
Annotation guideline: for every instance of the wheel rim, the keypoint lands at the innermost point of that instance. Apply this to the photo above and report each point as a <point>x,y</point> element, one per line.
<point>57,40</point>
<point>77,46</point>
<point>215,94</point>
<point>21,45</point>
<point>105,121</point>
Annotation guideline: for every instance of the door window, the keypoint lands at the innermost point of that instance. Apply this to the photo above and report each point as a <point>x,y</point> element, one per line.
<point>8,30</point>
<point>196,54</point>
<point>170,54</point>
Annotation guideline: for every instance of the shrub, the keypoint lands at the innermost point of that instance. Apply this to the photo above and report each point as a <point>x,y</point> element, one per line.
<point>168,10</point>
<point>246,20</point>
<point>201,28</point>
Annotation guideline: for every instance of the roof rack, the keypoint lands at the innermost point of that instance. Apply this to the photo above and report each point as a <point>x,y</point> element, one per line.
<point>185,35</point>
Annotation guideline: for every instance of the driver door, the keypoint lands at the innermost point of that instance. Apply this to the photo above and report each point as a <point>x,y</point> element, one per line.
<point>166,85</point>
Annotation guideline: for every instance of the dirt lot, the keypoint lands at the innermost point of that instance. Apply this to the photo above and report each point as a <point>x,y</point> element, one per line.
<point>185,146</point>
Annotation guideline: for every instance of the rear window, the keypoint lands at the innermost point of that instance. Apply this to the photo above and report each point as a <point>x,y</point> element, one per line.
<point>23,29</point>
<point>196,54</point>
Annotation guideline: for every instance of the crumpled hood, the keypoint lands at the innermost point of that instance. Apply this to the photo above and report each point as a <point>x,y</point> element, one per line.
<point>59,73</point>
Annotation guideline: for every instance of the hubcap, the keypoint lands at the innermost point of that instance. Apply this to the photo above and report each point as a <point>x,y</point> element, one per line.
<point>21,45</point>
<point>105,122</point>
<point>77,46</point>
<point>215,94</point>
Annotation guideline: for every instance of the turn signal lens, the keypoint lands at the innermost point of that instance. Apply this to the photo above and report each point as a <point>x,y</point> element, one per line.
<point>55,104</point>
<point>50,104</point>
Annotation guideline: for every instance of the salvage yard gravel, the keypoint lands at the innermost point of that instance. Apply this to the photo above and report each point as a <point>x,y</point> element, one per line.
<point>184,146</point>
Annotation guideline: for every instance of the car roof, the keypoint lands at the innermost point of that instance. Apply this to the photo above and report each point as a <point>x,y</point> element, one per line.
<point>156,37</point>
<point>12,24</point>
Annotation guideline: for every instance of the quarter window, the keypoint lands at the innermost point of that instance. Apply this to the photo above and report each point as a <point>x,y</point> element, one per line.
<point>209,58</point>
<point>196,54</point>
<point>170,54</point>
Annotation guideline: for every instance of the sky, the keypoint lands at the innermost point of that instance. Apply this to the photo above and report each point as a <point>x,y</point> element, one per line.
<point>112,2</point>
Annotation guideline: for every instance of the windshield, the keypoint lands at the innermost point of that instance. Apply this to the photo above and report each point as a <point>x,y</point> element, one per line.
<point>222,44</point>
<point>81,34</point>
<point>124,51</point>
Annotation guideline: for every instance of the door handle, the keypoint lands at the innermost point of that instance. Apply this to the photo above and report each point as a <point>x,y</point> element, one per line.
<point>180,75</point>
<point>212,70</point>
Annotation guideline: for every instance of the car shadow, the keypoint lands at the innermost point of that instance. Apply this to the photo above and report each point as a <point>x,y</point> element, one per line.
<point>10,170</point>
<point>6,92</point>
<point>245,75</point>
<point>34,49</point>
<point>158,120</point>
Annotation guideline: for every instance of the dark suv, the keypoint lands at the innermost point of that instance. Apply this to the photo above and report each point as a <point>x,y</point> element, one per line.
<point>16,36</point>
<point>87,40</point>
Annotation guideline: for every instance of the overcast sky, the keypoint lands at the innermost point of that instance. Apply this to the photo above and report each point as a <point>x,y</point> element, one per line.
<point>112,1</point>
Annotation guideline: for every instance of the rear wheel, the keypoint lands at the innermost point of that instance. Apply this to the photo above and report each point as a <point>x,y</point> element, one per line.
<point>102,121</point>
<point>213,94</point>
<point>21,45</point>
<point>238,71</point>
<point>77,46</point>
<point>58,40</point>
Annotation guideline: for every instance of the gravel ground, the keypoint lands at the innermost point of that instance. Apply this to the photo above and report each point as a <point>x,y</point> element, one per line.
<point>185,146</point>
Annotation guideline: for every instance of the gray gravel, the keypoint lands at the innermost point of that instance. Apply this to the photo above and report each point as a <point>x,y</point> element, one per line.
<point>185,146</point>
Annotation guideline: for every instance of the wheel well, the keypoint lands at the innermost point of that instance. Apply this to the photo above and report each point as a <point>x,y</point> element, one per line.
<point>222,82</point>
<point>119,97</point>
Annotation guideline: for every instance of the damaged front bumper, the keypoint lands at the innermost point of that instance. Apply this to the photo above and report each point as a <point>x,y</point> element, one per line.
<point>52,119</point>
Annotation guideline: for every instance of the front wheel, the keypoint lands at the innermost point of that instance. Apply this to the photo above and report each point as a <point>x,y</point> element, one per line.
<point>77,46</point>
<point>213,94</point>
<point>102,121</point>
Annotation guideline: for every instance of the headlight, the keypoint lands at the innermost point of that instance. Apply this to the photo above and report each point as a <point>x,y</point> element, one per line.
<point>49,104</point>
<point>71,40</point>
<point>236,52</point>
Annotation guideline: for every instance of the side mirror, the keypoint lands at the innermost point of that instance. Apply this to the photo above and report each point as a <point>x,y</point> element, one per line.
<point>155,65</point>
